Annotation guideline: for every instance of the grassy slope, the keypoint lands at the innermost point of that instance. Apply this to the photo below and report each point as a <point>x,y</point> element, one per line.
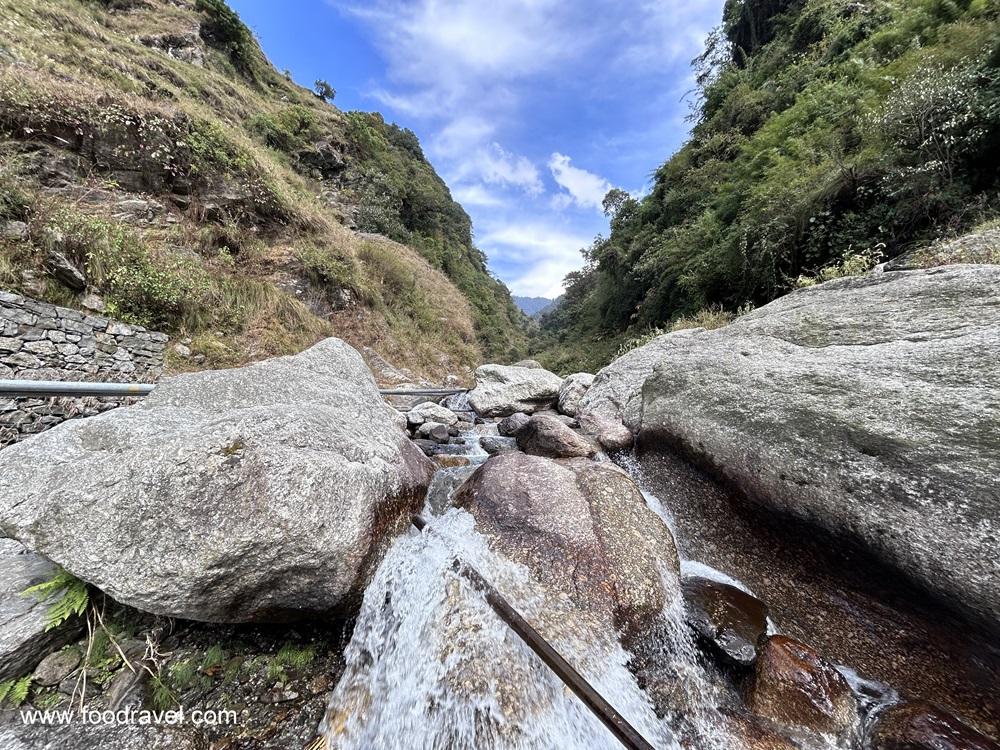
<point>830,134</point>
<point>256,174</point>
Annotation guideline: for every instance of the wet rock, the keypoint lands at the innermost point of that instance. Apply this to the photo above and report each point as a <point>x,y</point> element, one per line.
<point>510,426</point>
<point>572,391</point>
<point>729,618</point>
<point>581,528</point>
<point>24,637</point>
<point>428,447</point>
<point>795,687</point>
<point>501,391</point>
<point>865,406</point>
<point>432,431</point>
<point>56,667</point>
<point>260,493</point>
<point>923,726</point>
<point>494,444</point>
<point>547,436</point>
<point>451,462</point>
<point>749,734</point>
<point>428,411</point>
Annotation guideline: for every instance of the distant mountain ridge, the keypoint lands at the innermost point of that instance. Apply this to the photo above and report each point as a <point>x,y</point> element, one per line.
<point>532,306</point>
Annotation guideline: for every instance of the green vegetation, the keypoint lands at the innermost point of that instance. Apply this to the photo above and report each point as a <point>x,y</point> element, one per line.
<point>70,597</point>
<point>15,692</point>
<point>257,177</point>
<point>826,132</point>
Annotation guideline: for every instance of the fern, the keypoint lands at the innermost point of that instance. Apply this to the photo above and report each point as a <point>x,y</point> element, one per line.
<point>15,692</point>
<point>70,597</point>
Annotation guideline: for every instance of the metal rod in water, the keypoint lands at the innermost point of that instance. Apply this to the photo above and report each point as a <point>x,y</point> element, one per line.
<point>425,392</point>
<point>42,388</point>
<point>614,721</point>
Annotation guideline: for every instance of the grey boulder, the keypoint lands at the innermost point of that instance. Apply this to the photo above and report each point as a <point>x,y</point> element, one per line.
<point>261,493</point>
<point>510,426</point>
<point>24,637</point>
<point>572,391</point>
<point>867,406</point>
<point>428,411</point>
<point>501,391</point>
<point>546,436</point>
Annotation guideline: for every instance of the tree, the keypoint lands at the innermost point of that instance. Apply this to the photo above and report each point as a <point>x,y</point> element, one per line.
<point>324,90</point>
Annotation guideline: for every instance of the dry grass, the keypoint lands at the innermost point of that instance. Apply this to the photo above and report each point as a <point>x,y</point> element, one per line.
<point>81,67</point>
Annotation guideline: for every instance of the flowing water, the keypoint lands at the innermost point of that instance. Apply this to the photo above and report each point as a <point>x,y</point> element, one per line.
<point>430,665</point>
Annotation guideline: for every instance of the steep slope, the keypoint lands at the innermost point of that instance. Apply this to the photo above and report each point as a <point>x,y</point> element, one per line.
<point>829,134</point>
<point>150,146</point>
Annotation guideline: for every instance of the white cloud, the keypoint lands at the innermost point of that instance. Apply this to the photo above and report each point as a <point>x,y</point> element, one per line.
<point>584,188</point>
<point>476,195</point>
<point>543,254</point>
<point>494,165</point>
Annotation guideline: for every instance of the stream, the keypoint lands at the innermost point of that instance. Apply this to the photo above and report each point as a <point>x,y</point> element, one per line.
<point>431,666</point>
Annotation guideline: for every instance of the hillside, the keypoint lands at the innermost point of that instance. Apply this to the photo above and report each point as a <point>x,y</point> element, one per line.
<point>532,305</point>
<point>829,135</point>
<point>156,167</point>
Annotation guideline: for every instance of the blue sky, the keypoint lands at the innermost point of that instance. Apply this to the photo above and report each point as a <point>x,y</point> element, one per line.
<point>529,109</point>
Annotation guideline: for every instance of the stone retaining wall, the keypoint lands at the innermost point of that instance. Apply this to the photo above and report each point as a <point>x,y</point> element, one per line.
<point>39,341</point>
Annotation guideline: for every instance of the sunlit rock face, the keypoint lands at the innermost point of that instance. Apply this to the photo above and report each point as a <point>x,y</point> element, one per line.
<point>260,493</point>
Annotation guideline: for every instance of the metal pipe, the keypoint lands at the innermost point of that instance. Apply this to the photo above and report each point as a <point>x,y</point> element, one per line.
<point>431,392</point>
<point>44,388</point>
<point>624,732</point>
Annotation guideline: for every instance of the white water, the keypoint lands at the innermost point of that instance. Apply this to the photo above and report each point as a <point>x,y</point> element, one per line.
<point>430,665</point>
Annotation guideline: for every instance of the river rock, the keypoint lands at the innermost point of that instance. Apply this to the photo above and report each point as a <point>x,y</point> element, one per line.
<point>24,637</point>
<point>572,391</point>
<point>260,493</point>
<point>609,431</point>
<point>510,426</point>
<point>501,391</point>
<point>428,411</point>
<point>581,528</point>
<point>920,725</point>
<point>439,433</point>
<point>494,444</point>
<point>729,618</point>
<point>547,436</point>
<point>795,687</point>
<point>615,397</point>
<point>868,406</point>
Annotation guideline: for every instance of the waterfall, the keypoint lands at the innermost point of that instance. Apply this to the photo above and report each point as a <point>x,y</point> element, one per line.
<point>431,666</point>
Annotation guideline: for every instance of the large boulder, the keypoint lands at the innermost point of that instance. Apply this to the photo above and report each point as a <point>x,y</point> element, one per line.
<point>259,493</point>
<point>545,435</point>
<point>582,529</point>
<point>867,406</point>
<point>572,391</point>
<point>25,638</point>
<point>615,396</point>
<point>501,391</point>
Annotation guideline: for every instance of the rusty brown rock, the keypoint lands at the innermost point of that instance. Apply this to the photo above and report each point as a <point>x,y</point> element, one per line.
<point>794,686</point>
